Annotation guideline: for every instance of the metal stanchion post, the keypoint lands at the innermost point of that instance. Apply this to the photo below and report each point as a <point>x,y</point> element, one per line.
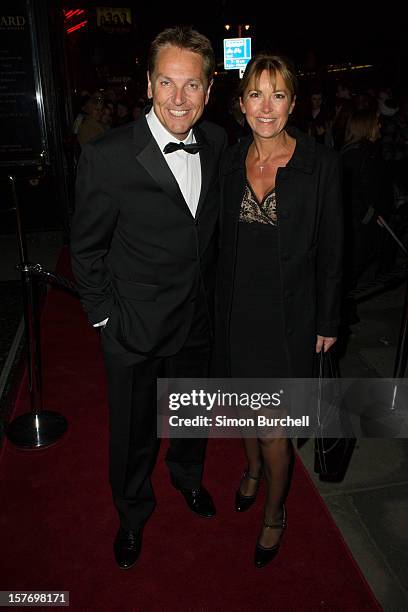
<point>400,365</point>
<point>39,427</point>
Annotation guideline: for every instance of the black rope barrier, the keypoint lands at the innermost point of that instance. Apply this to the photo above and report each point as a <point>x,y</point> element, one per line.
<point>54,279</point>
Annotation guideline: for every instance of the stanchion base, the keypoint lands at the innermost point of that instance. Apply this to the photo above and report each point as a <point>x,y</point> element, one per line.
<point>32,430</point>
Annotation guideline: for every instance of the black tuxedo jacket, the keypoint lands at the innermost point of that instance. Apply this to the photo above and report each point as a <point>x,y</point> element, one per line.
<point>138,254</point>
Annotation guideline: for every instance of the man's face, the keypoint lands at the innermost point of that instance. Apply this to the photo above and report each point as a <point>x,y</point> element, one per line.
<point>179,89</point>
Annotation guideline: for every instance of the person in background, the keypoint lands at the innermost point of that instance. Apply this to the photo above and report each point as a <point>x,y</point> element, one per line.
<point>137,108</point>
<point>394,132</point>
<point>107,116</point>
<point>84,98</point>
<point>317,121</point>
<point>123,114</point>
<point>343,108</point>
<point>367,195</point>
<point>92,125</point>
<point>280,267</point>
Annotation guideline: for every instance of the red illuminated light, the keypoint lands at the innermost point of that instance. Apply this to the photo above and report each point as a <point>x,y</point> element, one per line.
<point>77,26</point>
<point>74,13</point>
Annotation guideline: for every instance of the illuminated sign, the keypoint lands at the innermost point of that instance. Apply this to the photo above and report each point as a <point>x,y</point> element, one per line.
<point>237,53</point>
<point>113,19</point>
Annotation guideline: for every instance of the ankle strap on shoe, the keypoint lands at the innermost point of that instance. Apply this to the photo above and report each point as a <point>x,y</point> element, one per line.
<point>276,525</point>
<point>251,477</point>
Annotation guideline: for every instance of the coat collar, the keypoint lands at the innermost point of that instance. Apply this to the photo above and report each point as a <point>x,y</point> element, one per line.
<point>302,160</point>
<point>151,158</point>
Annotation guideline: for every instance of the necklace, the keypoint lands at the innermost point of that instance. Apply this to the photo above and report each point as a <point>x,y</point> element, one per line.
<point>263,165</point>
<point>277,157</point>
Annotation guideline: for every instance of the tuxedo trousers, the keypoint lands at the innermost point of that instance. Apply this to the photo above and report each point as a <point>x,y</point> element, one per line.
<point>133,442</point>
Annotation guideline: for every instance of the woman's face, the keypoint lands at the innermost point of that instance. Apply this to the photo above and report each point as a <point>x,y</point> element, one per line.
<point>267,106</point>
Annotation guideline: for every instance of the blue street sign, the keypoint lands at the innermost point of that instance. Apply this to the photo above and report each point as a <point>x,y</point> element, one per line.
<point>237,53</point>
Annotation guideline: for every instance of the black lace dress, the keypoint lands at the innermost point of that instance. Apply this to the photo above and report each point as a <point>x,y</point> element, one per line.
<point>257,339</point>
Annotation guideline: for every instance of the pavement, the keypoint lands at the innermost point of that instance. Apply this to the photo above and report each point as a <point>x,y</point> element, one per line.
<point>370,506</point>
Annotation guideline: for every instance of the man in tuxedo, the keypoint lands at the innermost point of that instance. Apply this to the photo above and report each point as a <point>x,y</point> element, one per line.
<point>144,241</point>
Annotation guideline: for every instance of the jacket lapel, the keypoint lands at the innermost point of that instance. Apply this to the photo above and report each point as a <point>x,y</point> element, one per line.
<point>207,163</point>
<point>152,160</point>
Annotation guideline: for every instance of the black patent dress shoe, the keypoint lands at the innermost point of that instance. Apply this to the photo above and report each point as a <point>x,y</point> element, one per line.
<point>199,501</point>
<point>244,502</point>
<point>126,547</point>
<point>264,555</point>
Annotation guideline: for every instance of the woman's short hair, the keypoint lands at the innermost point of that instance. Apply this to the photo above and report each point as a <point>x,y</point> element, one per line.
<point>273,64</point>
<point>183,38</point>
<point>361,125</point>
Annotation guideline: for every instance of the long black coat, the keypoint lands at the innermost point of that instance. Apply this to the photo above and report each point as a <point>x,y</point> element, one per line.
<point>309,205</point>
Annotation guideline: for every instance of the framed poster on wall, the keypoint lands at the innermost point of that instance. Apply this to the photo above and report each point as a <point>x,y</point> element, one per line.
<point>23,140</point>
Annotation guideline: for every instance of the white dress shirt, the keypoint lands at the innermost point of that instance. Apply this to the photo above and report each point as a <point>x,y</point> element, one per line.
<point>186,167</point>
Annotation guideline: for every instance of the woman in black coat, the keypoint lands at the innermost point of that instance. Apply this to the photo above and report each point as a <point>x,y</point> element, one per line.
<point>280,267</point>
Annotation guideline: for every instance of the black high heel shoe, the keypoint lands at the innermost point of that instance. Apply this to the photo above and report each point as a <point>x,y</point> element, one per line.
<point>244,502</point>
<point>264,555</point>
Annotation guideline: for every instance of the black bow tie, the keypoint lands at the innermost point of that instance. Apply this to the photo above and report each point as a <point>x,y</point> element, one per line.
<point>180,146</point>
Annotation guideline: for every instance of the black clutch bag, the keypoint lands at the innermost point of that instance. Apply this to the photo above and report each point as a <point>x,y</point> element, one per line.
<point>331,455</point>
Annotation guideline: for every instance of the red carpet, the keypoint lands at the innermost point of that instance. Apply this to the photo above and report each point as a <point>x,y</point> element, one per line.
<point>58,523</point>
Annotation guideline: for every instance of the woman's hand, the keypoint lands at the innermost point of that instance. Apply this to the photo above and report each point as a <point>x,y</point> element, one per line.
<point>324,342</point>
